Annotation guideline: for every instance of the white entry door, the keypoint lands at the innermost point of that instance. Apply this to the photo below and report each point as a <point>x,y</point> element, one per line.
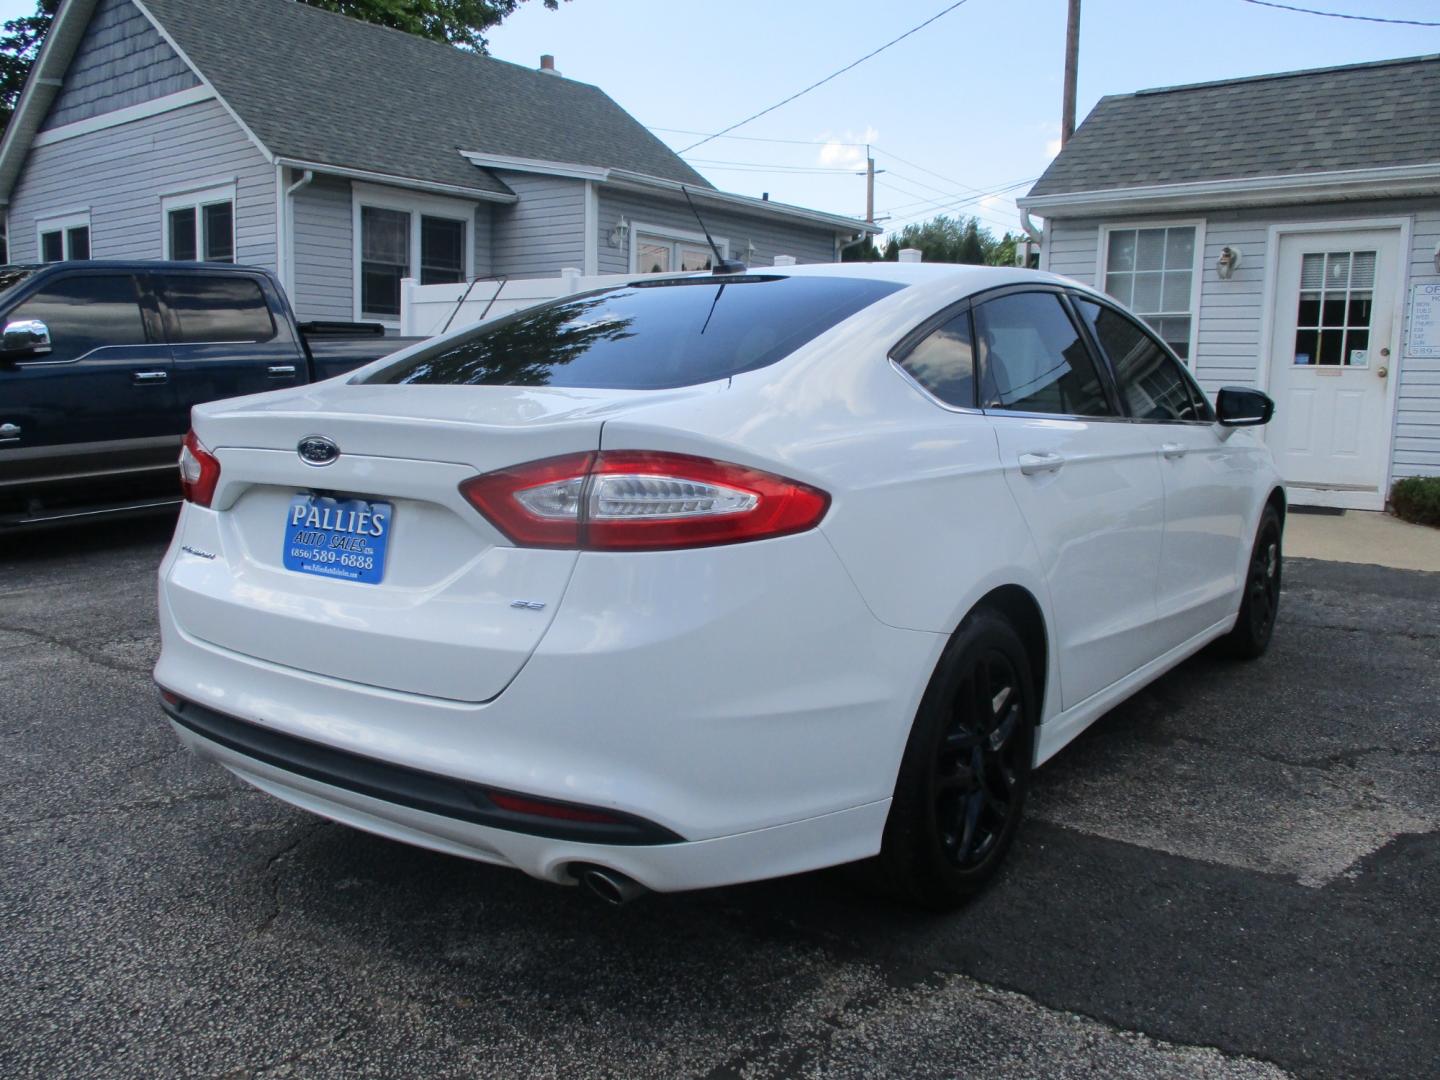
<point>1332,359</point>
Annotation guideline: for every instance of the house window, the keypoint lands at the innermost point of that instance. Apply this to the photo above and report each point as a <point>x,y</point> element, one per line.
<point>1153,273</point>
<point>64,238</point>
<point>661,253</point>
<point>200,226</point>
<point>400,236</point>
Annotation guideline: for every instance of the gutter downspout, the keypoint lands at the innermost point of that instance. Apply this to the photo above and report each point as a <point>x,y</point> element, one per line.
<point>1029,227</point>
<point>287,277</point>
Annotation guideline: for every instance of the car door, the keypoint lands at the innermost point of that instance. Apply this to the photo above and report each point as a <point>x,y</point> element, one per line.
<point>1086,480</point>
<point>101,400</point>
<point>1208,474</point>
<point>224,338</point>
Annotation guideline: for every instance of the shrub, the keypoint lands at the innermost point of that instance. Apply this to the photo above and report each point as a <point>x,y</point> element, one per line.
<point>1417,499</point>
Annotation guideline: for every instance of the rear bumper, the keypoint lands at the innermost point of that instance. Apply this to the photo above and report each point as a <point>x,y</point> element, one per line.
<point>744,699</point>
<point>827,840</point>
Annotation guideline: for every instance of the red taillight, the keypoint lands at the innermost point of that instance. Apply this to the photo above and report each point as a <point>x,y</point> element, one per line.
<point>199,471</point>
<point>636,500</point>
<point>518,804</point>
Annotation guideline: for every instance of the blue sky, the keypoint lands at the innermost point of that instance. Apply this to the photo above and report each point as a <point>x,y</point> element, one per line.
<point>964,108</point>
<point>969,105</point>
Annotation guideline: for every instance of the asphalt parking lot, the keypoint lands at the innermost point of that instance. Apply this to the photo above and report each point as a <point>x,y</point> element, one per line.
<point>1235,874</point>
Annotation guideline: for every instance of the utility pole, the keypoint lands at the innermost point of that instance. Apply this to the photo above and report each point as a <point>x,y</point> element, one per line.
<point>869,175</point>
<point>1072,62</point>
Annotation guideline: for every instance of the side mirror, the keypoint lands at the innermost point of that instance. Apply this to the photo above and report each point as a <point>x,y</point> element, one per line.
<point>1240,406</point>
<point>28,337</point>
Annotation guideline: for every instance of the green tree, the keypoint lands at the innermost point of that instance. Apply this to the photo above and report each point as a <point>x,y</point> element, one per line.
<point>456,22</point>
<point>946,239</point>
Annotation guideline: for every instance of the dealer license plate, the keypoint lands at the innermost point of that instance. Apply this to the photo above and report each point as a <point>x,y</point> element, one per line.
<point>337,538</point>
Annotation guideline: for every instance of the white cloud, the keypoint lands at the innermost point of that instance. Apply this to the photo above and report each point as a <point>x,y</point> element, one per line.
<point>840,151</point>
<point>1052,147</point>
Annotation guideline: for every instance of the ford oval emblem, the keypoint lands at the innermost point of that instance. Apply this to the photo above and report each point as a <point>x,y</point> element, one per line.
<point>317,450</point>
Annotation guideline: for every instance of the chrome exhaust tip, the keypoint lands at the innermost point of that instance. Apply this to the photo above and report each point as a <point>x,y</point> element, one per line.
<point>608,886</point>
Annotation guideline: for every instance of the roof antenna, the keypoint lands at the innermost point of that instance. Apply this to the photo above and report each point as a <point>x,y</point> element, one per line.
<point>722,264</point>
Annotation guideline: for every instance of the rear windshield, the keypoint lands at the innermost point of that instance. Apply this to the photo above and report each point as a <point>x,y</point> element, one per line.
<point>645,335</point>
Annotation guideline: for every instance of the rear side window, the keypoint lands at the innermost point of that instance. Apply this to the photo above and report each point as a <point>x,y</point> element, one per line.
<point>85,312</point>
<point>644,336</point>
<point>218,308</point>
<point>944,363</point>
<point>1152,383</point>
<point>1032,359</point>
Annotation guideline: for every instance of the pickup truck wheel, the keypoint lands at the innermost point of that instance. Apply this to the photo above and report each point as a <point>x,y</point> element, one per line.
<point>1256,621</point>
<point>966,769</point>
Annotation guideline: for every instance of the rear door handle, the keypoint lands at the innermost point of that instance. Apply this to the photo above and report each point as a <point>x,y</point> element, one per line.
<point>1172,449</point>
<point>1030,464</point>
<point>280,371</point>
<point>9,432</point>
<point>147,378</point>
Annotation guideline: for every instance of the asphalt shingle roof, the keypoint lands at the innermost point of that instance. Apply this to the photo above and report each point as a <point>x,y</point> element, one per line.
<point>325,88</point>
<point>1356,117</point>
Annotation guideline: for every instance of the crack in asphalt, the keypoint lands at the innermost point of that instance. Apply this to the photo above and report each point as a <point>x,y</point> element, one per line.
<point>272,871</point>
<point>1322,763</point>
<point>83,652</point>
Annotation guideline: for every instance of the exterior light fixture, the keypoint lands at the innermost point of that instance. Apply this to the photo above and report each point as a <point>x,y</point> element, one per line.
<point>620,232</point>
<point>1227,262</point>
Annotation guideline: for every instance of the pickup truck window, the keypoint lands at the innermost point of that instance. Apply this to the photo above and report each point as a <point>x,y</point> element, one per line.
<point>218,308</point>
<point>85,312</point>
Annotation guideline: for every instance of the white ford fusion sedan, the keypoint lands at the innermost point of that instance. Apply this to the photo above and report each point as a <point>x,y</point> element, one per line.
<point>704,579</point>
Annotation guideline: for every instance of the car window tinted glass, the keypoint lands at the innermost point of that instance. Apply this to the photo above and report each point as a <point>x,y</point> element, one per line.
<point>85,312</point>
<point>1032,358</point>
<point>644,336</point>
<point>219,308</point>
<point>1151,381</point>
<point>944,363</point>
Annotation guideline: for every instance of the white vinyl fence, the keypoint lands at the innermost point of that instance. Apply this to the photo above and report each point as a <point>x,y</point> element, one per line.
<point>427,310</point>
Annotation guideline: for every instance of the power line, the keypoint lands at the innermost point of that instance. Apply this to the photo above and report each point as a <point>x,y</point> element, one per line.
<point>1341,15</point>
<point>954,200</point>
<point>756,138</point>
<point>766,166</point>
<point>827,78</point>
<point>923,169</point>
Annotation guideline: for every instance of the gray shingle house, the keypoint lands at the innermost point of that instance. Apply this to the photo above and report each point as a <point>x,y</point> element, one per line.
<point>1281,231</point>
<point>347,156</point>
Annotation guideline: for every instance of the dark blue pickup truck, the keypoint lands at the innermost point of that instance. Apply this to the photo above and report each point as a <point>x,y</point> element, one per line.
<point>100,363</point>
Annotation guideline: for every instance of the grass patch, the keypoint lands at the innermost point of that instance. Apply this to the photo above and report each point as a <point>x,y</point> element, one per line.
<point>1417,499</point>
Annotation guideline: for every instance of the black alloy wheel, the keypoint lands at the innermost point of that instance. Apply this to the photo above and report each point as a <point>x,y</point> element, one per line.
<point>1255,622</point>
<point>961,788</point>
<point>982,756</point>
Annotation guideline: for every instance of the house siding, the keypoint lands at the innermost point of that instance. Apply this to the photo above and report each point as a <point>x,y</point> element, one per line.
<point>322,284</point>
<point>122,60</point>
<point>544,232</point>
<point>770,236</point>
<point>120,174</point>
<point>1230,347</point>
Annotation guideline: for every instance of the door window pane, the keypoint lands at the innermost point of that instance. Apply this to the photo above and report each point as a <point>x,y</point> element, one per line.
<point>85,312</point>
<point>213,309</point>
<point>52,246</point>
<point>1152,384</point>
<point>1333,309</point>
<point>384,259</point>
<point>182,235</point>
<point>1032,359</point>
<point>442,250</point>
<point>78,241</point>
<point>944,363</point>
<point>219,222</point>
<point>693,257</point>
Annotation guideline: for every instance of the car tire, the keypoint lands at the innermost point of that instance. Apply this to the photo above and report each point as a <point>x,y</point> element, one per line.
<point>966,768</point>
<point>1255,622</point>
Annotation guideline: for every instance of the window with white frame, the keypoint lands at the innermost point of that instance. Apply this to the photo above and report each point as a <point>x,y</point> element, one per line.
<point>63,237</point>
<point>661,252</point>
<point>416,236</point>
<point>199,226</point>
<point>1153,272</point>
